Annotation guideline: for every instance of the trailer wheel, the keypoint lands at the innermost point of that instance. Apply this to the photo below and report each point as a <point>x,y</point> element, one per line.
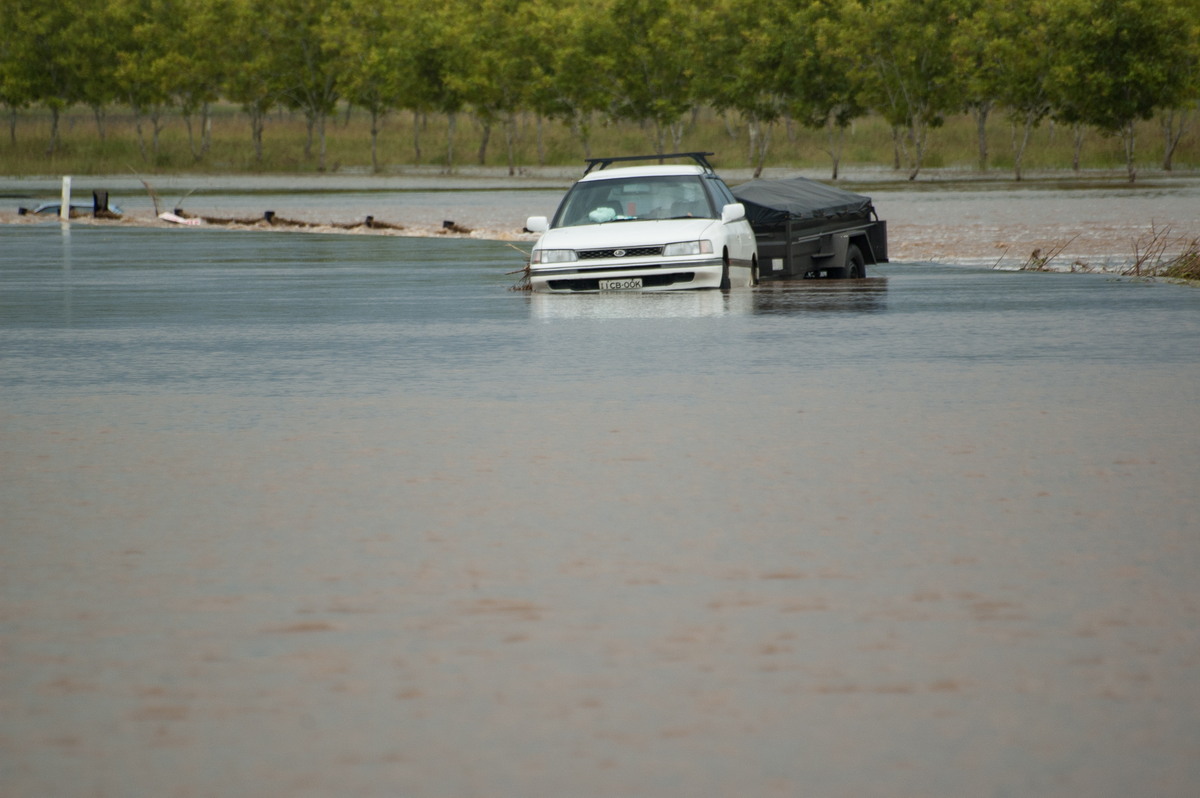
<point>855,268</point>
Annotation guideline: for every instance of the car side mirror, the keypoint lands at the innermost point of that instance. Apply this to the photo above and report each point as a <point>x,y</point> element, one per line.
<point>733,212</point>
<point>537,224</point>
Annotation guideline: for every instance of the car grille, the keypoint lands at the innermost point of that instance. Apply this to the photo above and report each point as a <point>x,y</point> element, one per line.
<point>631,252</point>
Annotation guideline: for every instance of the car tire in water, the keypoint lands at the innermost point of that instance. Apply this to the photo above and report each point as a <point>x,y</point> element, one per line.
<point>725,273</point>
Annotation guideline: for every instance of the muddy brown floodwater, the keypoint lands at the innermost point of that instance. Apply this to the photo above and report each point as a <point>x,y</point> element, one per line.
<point>311,515</point>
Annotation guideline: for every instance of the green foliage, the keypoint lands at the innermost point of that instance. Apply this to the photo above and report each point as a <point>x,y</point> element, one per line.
<point>633,65</point>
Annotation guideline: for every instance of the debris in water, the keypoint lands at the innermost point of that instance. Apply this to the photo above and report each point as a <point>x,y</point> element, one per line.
<point>449,226</point>
<point>175,218</point>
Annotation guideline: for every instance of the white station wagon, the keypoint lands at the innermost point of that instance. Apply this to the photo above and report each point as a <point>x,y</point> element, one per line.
<point>653,228</point>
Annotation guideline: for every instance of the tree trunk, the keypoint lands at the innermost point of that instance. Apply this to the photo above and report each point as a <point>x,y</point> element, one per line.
<point>1128,138</point>
<point>483,141</point>
<point>156,127</point>
<point>660,139</point>
<point>187,123</point>
<point>321,142</point>
<point>760,143</point>
<point>582,128</point>
<point>416,136</point>
<point>917,133</point>
<point>510,143</point>
<point>101,127</point>
<point>451,127</point>
<point>205,129</point>
<point>837,140</point>
<point>375,141</point>
<point>541,142</point>
<point>53,145</point>
<point>1076,155</point>
<point>981,116</point>
<point>1175,123</point>
<point>258,119</point>
<point>141,136</point>
<point>1019,149</point>
<point>677,131</point>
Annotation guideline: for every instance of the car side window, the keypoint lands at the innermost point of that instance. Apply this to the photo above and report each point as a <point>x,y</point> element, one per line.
<point>721,192</point>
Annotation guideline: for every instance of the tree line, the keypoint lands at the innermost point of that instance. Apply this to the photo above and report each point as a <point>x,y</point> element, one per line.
<point>1087,64</point>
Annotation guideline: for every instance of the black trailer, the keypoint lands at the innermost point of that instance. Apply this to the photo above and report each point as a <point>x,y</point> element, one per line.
<point>809,229</point>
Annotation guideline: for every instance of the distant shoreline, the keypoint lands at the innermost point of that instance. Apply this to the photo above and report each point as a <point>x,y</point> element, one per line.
<point>1090,222</point>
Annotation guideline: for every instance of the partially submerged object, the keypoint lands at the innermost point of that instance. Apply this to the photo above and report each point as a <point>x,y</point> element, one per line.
<point>270,219</point>
<point>670,227</point>
<point>99,209</point>
<point>809,229</point>
<point>658,227</point>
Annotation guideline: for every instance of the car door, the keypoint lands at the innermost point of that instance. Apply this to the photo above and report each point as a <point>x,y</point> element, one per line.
<point>742,244</point>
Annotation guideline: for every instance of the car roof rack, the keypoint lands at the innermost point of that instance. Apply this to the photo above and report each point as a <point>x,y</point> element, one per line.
<point>603,163</point>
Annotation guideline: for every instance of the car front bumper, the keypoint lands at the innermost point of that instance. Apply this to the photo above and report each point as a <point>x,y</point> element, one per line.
<point>673,275</point>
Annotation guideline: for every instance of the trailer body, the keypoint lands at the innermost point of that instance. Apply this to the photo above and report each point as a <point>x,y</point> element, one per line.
<point>807,229</point>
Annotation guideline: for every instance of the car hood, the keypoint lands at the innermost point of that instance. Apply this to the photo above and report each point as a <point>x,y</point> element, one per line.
<point>651,232</point>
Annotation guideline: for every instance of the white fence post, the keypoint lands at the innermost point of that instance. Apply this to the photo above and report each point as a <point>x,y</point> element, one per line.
<point>64,210</point>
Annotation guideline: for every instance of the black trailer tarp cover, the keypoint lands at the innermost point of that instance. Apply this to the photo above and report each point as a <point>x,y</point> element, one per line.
<point>771,202</point>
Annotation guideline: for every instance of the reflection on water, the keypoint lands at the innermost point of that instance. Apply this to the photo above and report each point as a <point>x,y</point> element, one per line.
<point>821,296</point>
<point>641,304</point>
<point>771,297</point>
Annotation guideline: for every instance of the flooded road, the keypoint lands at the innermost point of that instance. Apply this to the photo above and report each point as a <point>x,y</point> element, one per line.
<point>316,515</point>
<point>1096,220</point>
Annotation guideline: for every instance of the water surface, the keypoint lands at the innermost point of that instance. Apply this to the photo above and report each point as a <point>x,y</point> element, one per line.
<point>312,515</point>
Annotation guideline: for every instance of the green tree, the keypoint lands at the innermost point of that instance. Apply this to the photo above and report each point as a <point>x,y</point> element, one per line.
<point>970,47</point>
<point>95,36</point>
<point>824,72</point>
<point>147,62</point>
<point>429,88</point>
<point>742,67</point>
<point>567,80</point>
<point>254,80</point>
<point>1008,53</point>
<point>1178,118</point>
<point>912,80</point>
<point>305,69</point>
<point>496,56</point>
<point>199,60</point>
<point>16,89</point>
<point>1117,64</point>
<point>653,63</point>
<point>36,66</point>
<point>373,51</point>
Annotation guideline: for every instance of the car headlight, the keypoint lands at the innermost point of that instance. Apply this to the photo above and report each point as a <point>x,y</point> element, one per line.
<point>553,256</point>
<point>688,248</point>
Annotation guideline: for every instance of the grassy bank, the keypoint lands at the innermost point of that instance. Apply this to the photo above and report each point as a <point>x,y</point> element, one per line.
<point>868,143</point>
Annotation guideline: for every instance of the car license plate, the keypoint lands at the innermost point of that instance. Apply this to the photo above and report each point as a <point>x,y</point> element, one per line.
<point>624,284</point>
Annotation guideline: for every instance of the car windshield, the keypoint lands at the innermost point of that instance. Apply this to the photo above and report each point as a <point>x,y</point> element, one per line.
<point>626,199</point>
